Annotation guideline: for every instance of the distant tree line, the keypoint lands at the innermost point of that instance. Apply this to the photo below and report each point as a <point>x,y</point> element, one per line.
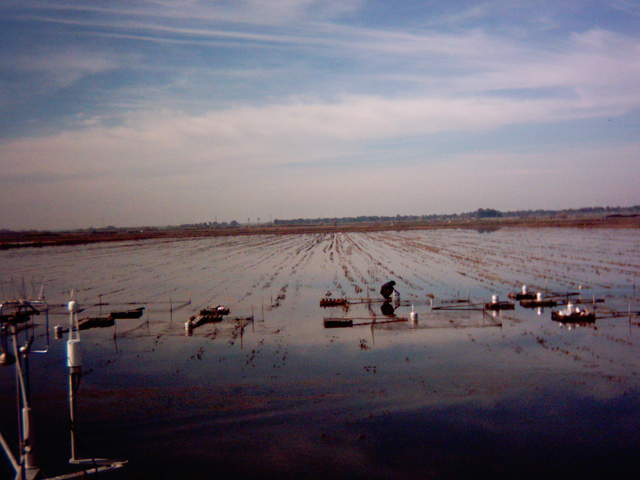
<point>481,213</point>
<point>476,214</point>
<point>205,225</point>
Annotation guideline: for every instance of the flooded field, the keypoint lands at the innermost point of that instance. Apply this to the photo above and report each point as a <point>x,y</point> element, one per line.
<point>268,390</point>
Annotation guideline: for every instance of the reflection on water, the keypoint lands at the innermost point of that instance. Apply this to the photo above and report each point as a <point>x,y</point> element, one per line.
<point>387,309</point>
<point>268,390</point>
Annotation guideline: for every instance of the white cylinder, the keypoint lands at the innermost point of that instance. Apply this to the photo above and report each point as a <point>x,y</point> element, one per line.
<point>569,308</point>
<point>524,289</point>
<point>413,317</point>
<point>74,354</point>
<point>494,298</point>
<point>539,296</point>
<point>71,306</point>
<point>26,423</point>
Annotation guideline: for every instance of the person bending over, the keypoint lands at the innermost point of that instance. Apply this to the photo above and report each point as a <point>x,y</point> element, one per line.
<point>387,290</point>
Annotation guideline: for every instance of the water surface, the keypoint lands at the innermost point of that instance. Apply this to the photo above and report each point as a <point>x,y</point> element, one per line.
<point>459,392</point>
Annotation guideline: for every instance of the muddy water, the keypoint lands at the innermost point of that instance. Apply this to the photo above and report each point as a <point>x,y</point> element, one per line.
<point>461,391</point>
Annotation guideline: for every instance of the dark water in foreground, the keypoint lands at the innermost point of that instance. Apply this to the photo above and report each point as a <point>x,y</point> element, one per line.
<point>460,393</point>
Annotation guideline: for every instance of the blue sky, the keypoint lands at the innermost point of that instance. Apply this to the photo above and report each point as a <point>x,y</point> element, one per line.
<point>166,112</point>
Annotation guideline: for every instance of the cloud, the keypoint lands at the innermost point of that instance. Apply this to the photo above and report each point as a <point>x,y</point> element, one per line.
<point>560,178</point>
<point>64,68</point>
<point>280,11</point>
<point>248,12</point>
<point>463,16</point>
<point>313,34</point>
<point>595,61</point>
<point>250,93</point>
<point>300,131</point>
<point>630,7</point>
<point>50,69</point>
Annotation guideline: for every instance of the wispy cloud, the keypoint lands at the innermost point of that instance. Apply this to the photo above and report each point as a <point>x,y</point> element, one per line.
<point>275,135</point>
<point>252,12</point>
<point>64,68</point>
<point>46,70</point>
<point>631,7</point>
<point>250,92</point>
<point>318,34</point>
<point>567,177</point>
<point>462,17</point>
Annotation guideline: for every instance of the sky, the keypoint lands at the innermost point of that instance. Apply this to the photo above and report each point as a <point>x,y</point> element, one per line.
<point>166,112</point>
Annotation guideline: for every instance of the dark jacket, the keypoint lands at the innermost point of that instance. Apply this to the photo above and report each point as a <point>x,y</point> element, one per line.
<point>387,289</point>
